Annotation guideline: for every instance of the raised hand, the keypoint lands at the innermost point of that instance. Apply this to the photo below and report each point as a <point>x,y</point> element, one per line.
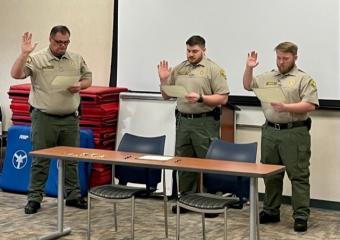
<point>163,71</point>
<point>26,45</point>
<point>252,59</point>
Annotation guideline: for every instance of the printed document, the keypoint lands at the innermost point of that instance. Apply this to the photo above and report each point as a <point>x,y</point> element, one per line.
<point>65,81</point>
<point>155,157</point>
<point>175,91</point>
<point>270,94</point>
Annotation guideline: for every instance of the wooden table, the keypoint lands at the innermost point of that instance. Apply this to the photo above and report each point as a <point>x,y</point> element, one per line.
<point>252,170</point>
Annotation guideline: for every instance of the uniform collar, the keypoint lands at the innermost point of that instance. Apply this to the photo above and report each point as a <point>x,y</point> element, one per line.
<point>52,57</point>
<point>292,72</point>
<point>202,63</point>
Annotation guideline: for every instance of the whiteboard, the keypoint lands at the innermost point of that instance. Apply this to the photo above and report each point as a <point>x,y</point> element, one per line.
<point>152,30</point>
<point>148,115</point>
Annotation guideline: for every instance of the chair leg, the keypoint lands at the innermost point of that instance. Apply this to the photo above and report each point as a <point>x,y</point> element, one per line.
<point>177,222</point>
<point>203,225</point>
<point>115,216</point>
<point>225,223</point>
<point>88,217</point>
<point>132,218</point>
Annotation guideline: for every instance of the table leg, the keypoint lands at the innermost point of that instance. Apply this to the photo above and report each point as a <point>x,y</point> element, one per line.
<point>254,232</point>
<point>61,231</point>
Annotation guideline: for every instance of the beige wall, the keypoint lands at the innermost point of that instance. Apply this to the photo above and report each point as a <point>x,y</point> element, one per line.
<point>90,22</point>
<point>325,160</point>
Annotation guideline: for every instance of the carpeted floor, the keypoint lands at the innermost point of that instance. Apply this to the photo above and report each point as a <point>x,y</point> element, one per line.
<point>149,225</point>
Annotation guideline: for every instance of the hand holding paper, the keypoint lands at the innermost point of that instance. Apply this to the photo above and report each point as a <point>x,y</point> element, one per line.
<point>270,94</point>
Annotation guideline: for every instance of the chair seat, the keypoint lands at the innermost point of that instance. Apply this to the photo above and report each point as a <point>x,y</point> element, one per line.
<point>207,201</point>
<point>116,191</point>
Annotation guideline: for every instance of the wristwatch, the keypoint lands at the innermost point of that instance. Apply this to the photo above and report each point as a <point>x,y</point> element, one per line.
<point>200,100</point>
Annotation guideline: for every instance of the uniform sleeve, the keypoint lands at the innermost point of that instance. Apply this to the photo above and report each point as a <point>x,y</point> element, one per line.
<point>85,71</point>
<point>308,91</point>
<point>253,83</point>
<point>219,83</point>
<point>28,69</point>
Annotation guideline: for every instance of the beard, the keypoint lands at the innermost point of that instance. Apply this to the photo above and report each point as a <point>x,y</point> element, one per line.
<point>284,70</point>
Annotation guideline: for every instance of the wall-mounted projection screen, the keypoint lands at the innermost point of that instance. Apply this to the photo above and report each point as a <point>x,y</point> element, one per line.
<point>152,30</point>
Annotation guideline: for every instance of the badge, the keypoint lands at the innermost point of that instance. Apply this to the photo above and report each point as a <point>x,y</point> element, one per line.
<point>291,82</point>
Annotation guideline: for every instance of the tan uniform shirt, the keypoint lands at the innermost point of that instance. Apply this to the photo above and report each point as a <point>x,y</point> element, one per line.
<point>204,78</point>
<point>297,86</point>
<point>43,67</point>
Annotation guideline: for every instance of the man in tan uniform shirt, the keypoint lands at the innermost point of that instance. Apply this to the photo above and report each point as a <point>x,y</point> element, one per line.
<point>198,113</point>
<point>285,135</point>
<point>54,104</point>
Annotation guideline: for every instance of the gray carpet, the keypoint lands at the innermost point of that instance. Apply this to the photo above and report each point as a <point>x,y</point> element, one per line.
<point>14,224</point>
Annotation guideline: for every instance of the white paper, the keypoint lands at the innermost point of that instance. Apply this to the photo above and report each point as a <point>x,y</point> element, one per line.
<point>65,81</point>
<point>270,94</point>
<point>155,157</point>
<point>175,91</point>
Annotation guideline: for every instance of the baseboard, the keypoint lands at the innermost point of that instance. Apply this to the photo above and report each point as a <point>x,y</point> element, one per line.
<point>315,203</point>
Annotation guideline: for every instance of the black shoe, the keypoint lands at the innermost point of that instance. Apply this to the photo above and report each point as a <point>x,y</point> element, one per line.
<point>300,225</point>
<point>181,210</point>
<point>267,218</point>
<point>32,207</point>
<point>211,215</point>
<point>77,203</point>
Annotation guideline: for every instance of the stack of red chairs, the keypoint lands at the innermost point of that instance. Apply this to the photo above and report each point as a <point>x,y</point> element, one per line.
<point>99,112</point>
<point>19,104</point>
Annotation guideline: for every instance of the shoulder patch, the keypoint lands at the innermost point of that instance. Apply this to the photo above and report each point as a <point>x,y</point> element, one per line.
<point>312,84</point>
<point>222,74</point>
<point>29,60</point>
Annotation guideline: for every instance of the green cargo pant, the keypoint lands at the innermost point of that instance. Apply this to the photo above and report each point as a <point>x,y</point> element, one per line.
<point>49,131</point>
<point>291,148</point>
<point>193,138</point>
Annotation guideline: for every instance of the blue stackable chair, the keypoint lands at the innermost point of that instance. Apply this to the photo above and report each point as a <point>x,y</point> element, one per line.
<point>237,186</point>
<point>115,193</point>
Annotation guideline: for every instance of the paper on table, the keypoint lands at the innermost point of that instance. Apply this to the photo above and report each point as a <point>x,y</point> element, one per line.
<point>154,157</point>
<point>65,81</point>
<point>270,94</point>
<point>174,91</point>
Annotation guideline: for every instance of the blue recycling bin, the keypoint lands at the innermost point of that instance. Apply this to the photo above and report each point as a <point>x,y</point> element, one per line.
<point>17,164</point>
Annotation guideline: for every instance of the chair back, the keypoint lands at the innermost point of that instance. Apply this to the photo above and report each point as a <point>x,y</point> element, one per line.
<point>222,150</point>
<point>148,145</point>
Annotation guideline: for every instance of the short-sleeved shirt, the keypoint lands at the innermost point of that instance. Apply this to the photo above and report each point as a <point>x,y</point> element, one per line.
<point>205,78</point>
<point>297,86</point>
<point>43,67</point>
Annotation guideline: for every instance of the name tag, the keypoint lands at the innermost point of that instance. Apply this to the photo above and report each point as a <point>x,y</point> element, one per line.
<point>47,67</point>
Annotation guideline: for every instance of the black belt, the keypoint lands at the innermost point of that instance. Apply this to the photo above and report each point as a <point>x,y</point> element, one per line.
<point>280,126</point>
<point>74,114</point>
<point>196,115</point>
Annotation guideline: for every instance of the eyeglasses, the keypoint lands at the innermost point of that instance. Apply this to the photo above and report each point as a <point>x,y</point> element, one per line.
<point>59,42</point>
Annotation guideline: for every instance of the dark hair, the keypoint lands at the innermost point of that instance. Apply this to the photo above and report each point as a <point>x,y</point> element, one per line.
<point>196,40</point>
<point>287,47</point>
<point>60,28</point>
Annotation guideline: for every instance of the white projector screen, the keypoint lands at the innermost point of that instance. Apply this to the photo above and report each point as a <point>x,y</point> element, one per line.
<point>152,30</point>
